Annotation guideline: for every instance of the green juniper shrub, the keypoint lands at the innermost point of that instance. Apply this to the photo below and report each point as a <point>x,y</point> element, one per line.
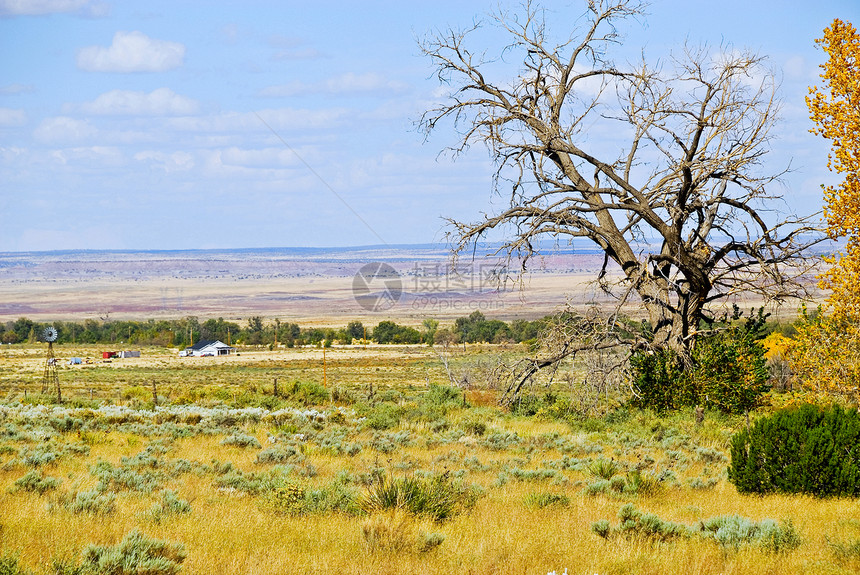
<point>806,449</point>
<point>306,392</point>
<point>730,372</point>
<point>725,371</point>
<point>443,395</point>
<point>659,381</point>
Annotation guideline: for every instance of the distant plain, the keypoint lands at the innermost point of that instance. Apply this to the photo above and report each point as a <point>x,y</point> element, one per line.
<point>306,286</point>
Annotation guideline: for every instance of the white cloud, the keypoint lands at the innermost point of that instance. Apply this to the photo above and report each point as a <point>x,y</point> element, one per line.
<point>88,8</point>
<point>345,84</point>
<point>175,162</point>
<point>61,129</point>
<point>10,118</point>
<point>132,52</point>
<point>160,102</point>
<point>259,158</point>
<point>92,156</point>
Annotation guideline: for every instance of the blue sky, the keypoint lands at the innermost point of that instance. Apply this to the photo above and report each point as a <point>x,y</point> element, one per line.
<point>143,125</point>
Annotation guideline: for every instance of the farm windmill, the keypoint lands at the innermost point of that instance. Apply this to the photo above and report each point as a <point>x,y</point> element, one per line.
<point>50,378</point>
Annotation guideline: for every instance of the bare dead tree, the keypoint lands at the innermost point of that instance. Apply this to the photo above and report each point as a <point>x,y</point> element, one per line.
<point>565,335</point>
<point>686,209</point>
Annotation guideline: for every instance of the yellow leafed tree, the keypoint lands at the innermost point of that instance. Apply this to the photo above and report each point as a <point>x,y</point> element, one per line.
<point>835,109</point>
<point>826,354</point>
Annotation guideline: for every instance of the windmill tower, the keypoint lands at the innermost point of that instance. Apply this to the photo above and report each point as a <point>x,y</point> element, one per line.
<point>50,378</point>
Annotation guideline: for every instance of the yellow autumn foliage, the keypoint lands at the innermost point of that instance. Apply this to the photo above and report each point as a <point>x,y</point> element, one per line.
<point>825,356</point>
<point>776,346</point>
<point>835,110</point>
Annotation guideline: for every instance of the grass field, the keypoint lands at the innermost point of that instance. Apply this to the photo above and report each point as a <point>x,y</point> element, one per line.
<point>251,483</point>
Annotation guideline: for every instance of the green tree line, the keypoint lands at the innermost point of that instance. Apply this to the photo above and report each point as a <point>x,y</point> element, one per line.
<point>474,328</point>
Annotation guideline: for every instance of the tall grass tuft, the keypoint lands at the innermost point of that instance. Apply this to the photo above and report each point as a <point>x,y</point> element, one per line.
<point>436,497</point>
<point>603,468</point>
<point>644,484</point>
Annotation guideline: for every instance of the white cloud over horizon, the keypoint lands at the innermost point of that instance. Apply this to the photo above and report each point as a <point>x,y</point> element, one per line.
<point>183,110</point>
<point>132,52</point>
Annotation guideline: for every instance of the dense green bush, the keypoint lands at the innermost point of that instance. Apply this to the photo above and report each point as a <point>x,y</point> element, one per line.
<point>725,371</point>
<point>730,371</point>
<point>805,449</point>
<point>659,381</point>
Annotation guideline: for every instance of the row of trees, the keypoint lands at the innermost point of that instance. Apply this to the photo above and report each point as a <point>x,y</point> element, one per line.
<point>182,332</point>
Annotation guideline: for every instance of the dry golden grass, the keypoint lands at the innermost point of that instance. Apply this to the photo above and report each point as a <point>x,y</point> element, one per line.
<point>228,532</point>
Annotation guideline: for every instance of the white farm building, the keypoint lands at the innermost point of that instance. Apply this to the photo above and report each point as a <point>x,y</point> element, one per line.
<point>207,347</point>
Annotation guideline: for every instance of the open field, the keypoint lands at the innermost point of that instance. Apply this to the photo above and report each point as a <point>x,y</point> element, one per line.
<point>252,483</point>
<point>309,287</point>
